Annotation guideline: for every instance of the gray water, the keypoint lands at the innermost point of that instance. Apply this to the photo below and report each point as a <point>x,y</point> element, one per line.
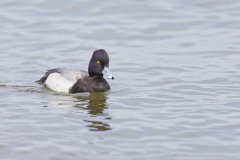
<point>176,92</point>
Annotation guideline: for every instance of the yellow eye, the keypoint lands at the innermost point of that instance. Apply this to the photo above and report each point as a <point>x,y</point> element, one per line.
<point>98,62</point>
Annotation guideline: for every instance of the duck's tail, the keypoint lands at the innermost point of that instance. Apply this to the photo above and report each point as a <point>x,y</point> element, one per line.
<point>42,80</point>
<point>39,81</point>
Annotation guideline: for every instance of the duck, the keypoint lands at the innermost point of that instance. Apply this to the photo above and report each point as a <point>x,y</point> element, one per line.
<point>67,80</point>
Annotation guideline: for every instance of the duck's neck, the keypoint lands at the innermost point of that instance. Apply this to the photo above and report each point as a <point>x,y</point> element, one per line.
<point>95,75</point>
<point>94,70</point>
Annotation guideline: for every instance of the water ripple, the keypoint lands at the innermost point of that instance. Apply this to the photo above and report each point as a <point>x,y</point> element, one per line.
<point>176,94</point>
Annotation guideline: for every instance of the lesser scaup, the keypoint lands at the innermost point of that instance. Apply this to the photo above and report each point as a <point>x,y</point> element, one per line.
<point>77,81</point>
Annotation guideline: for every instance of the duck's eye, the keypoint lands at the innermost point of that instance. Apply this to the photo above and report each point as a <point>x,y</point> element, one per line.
<point>98,62</point>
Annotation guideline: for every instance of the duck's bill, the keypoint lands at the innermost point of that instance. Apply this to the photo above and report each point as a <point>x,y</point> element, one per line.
<point>107,73</point>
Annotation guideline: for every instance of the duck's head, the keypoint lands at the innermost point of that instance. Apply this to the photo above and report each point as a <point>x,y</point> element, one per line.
<point>99,64</point>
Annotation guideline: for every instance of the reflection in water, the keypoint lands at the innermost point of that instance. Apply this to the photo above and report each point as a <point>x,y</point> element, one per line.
<point>96,104</point>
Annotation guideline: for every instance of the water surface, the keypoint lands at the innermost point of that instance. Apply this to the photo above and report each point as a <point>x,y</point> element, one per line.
<point>176,92</point>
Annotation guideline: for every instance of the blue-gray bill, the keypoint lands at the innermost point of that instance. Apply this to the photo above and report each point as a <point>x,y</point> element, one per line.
<point>107,73</point>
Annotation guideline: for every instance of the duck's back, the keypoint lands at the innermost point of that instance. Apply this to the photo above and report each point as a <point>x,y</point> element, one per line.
<point>62,79</point>
<point>73,75</point>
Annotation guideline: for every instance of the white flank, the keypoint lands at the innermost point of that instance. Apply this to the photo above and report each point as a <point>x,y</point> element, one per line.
<point>58,83</point>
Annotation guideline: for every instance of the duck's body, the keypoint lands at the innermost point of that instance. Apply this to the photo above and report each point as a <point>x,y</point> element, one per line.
<point>90,84</point>
<point>75,80</point>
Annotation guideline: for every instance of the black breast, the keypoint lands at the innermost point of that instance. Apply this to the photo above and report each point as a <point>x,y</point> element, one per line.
<point>90,84</point>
